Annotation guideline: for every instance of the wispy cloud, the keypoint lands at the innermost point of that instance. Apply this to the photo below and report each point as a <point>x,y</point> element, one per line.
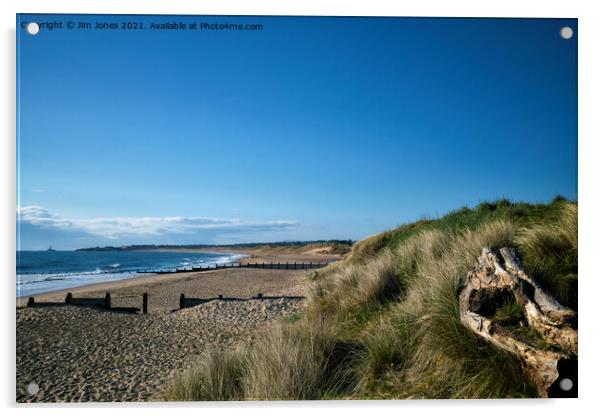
<point>117,227</point>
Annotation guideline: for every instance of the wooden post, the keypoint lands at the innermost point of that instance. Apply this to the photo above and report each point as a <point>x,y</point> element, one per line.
<point>30,302</point>
<point>145,303</point>
<point>108,301</point>
<point>295,266</point>
<point>182,299</point>
<point>69,298</point>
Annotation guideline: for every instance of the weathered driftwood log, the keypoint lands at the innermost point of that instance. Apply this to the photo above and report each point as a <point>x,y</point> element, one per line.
<point>499,275</point>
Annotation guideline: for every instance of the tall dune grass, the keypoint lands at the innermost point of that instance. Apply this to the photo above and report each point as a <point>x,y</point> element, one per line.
<point>549,252</point>
<point>385,323</point>
<point>218,376</point>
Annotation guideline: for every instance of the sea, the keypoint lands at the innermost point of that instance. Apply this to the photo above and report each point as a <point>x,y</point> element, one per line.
<point>47,271</point>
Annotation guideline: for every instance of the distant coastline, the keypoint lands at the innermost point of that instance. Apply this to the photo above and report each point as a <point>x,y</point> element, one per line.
<point>336,246</point>
<point>91,265</point>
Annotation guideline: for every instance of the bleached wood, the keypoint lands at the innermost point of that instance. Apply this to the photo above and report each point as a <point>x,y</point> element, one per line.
<point>498,273</point>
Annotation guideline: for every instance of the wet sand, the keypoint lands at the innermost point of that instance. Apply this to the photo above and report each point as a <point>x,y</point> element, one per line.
<point>84,353</point>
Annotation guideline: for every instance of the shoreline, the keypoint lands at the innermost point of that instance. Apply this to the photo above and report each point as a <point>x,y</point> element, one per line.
<point>107,286</point>
<point>132,356</point>
<point>242,257</point>
<point>127,275</point>
<point>144,279</point>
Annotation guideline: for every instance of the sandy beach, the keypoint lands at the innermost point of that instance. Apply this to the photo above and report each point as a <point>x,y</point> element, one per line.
<point>258,255</point>
<point>86,353</point>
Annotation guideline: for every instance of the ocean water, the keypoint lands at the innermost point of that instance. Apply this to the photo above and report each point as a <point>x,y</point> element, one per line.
<point>45,271</point>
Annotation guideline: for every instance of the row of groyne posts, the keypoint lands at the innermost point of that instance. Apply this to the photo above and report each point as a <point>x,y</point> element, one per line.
<point>98,302</point>
<point>184,302</point>
<point>263,265</point>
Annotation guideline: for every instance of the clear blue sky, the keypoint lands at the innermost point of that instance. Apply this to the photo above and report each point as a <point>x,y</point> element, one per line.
<point>312,128</point>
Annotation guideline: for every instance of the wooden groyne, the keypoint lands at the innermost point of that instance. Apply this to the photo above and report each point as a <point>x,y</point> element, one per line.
<point>263,265</point>
<point>103,303</point>
<point>184,302</point>
<point>187,302</point>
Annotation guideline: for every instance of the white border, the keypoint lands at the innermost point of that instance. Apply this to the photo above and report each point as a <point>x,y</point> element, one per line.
<point>590,71</point>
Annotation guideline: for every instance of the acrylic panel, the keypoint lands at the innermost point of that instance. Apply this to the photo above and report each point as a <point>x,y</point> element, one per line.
<point>295,208</point>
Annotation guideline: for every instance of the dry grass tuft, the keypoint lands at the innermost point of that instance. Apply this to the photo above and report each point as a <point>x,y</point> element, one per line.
<point>290,362</point>
<point>218,376</point>
<point>549,252</point>
<point>384,323</point>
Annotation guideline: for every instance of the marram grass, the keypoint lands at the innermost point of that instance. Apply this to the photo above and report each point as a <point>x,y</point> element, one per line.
<point>384,323</point>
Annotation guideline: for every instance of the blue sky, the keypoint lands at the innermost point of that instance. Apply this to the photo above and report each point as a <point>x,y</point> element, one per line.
<point>312,128</point>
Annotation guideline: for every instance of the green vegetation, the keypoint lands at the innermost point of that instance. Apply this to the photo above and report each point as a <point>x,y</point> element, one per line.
<point>384,322</point>
<point>509,314</point>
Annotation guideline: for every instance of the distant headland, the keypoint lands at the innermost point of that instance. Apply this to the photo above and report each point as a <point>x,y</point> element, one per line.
<point>331,246</point>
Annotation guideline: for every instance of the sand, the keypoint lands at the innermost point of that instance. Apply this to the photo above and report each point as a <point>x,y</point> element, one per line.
<point>83,353</point>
